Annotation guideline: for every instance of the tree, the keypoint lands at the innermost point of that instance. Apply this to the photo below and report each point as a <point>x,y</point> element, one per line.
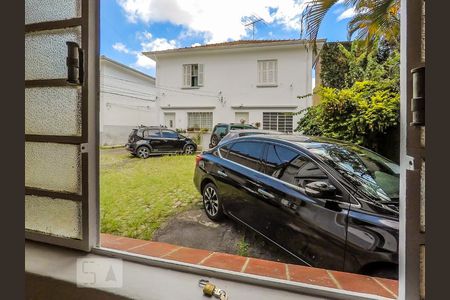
<point>343,64</point>
<point>373,19</point>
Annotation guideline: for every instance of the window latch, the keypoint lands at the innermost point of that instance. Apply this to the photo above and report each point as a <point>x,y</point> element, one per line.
<point>74,62</point>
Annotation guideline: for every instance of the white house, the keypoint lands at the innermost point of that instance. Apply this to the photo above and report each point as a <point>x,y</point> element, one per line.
<point>127,99</point>
<point>257,81</point>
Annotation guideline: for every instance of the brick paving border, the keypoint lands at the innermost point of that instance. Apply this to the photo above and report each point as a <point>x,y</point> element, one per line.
<point>315,276</point>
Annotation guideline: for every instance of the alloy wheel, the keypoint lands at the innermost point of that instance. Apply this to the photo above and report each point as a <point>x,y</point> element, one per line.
<point>211,201</point>
<point>143,152</point>
<point>189,149</point>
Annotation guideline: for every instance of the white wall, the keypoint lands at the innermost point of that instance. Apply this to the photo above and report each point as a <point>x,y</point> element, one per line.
<point>127,99</point>
<point>234,74</point>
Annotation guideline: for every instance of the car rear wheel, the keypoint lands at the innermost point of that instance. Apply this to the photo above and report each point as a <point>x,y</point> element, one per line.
<point>189,149</point>
<point>143,152</point>
<point>211,202</point>
<point>214,140</point>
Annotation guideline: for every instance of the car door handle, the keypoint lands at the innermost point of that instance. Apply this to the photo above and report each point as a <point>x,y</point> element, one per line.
<point>222,173</point>
<point>266,194</point>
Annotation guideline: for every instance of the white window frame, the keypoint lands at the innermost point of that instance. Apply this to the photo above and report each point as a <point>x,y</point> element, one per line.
<point>408,264</point>
<point>267,73</point>
<point>191,71</point>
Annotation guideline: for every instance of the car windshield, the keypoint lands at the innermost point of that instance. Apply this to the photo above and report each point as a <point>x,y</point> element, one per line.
<point>372,174</point>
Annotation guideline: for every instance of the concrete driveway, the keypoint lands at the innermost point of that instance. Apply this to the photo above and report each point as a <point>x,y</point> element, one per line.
<point>194,229</point>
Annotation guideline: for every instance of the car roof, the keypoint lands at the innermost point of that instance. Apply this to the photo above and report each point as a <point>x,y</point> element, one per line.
<point>299,140</point>
<point>255,130</point>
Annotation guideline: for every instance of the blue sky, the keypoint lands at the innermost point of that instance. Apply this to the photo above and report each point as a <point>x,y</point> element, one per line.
<point>129,27</point>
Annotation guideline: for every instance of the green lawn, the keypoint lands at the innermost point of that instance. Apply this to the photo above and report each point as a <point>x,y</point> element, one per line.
<point>138,195</point>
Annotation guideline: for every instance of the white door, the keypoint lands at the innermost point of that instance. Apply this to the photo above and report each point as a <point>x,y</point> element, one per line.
<point>169,120</point>
<point>239,116</point>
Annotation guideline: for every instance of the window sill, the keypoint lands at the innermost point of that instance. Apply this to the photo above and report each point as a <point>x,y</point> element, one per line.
<point>191,87</point>
<point>51,266</point>
<point>266,85</point>
<point>156,276</point>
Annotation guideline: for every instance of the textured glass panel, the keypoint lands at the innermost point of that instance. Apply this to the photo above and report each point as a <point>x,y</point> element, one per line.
<point>53,167</point>
<point>53,111</point>
<point>46,52</point>
<point>51,10</point>
<point>53,216</point>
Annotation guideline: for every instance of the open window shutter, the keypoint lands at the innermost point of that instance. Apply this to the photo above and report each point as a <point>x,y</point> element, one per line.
<point>187,71</point>
<point>270,72</point>
<point>60,122</point>
<point>200,74</point>
<point>260,72</point>
<point>264,72</point>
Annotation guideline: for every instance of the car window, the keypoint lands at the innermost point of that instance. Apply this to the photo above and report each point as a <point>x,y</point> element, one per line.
<point>248,154</point>
<point>234,127</point>
<point>220,130</point>
<point>292,166</point>
<point>169,134</point>
<point>224,150</point>
<point>152,133</point>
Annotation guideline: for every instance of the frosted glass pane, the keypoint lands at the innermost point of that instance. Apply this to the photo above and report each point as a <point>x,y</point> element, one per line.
<point>51,10</point>
<point>53,216</point>
<point>46,52</point>
<point>53,111</point>
<point>53,167</point>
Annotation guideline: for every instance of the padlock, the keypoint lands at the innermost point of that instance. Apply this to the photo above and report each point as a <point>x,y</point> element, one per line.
<point>210,290</point>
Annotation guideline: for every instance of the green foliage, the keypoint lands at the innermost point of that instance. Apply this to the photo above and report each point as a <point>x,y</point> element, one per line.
<point>243,247</point>
<point>360,114</point>
<point>343,64</point>
<point>334,65</point>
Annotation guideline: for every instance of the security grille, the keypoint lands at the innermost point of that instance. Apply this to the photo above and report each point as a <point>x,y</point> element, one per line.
<point>199,120</point>
<point>278,121</point>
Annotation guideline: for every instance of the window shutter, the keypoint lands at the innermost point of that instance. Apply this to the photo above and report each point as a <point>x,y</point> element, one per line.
<point>275,71</point>
<point>187,70</point>
<point>260,71</point>
<point>264,76</point>
<point>270,72</point>
<point>200,74</point>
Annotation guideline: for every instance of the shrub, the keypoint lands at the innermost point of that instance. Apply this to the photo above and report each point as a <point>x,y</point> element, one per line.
<point>361,114</point>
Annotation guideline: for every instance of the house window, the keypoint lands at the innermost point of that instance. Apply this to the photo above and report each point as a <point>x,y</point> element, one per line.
<point>267,72</point>
<point>199,120</point>
<point>278,121</point>
<point>192,75</point>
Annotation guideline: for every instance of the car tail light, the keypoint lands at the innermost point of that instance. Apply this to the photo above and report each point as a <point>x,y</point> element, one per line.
<point>198,158</point>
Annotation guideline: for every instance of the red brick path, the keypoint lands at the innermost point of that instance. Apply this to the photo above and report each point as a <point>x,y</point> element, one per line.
<point>333,279</point>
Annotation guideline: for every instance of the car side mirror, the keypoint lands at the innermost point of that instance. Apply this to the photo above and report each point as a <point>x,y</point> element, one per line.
<point>320,189</point>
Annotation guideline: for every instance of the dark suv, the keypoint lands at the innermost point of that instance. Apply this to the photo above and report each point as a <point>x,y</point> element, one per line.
<point>330,204</point>
<point>222,129</point>
<point>145,141</point>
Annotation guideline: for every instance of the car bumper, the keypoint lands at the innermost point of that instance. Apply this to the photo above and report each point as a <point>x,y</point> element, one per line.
<point>198,177</point>
<point>129,147</point>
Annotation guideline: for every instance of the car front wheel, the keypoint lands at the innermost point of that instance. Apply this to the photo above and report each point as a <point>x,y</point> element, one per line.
<point>189,149</point>
<point>211,202</point>
<point>143,152</point>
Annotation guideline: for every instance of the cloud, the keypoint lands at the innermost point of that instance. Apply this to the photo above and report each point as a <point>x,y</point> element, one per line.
<point>196,44</point>
<point>144,62</point>
<point>148,43</point>
<point>120,47</point>
<point>216,20</point>
<point>158,44</point>
<point>347,14</point>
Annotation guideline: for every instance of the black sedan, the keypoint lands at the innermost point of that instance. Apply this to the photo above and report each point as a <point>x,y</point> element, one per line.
<point>329,204</point>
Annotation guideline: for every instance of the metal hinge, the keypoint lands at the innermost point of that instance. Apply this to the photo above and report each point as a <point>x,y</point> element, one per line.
<point>410,163</point>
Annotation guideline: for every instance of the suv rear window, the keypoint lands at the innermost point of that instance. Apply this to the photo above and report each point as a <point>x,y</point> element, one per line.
<point>220,130</point>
